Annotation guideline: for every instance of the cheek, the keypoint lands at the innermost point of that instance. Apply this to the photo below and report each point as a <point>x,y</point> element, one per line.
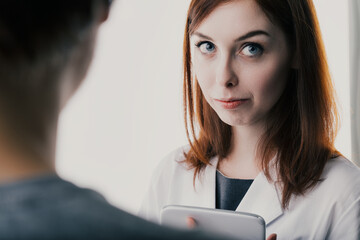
<point>269,82</point>
<point>204,74</point>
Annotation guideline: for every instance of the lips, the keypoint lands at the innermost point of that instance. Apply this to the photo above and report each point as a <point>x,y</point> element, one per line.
<point>231,103</point>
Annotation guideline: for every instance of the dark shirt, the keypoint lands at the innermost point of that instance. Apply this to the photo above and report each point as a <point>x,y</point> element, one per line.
<point>49,207</point>
<point>230,192</point>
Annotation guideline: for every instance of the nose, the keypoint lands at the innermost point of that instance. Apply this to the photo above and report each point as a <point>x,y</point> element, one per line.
<point>225,74</point>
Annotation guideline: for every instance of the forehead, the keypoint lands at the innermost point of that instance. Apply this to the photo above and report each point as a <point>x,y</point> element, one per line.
<point>235,18</point>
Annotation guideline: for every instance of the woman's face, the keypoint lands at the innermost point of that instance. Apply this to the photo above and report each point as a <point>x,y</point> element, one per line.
<point>241,61</point>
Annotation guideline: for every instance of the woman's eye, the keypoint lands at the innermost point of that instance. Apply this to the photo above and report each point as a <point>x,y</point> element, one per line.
<point>206,47</point>
<point>252,50</point>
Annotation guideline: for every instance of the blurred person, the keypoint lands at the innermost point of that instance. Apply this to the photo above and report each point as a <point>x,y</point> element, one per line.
<point>45,51</point>
<point>261,122</point>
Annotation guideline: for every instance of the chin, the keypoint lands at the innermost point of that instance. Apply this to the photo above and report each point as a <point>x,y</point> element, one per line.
<point>233,122</point>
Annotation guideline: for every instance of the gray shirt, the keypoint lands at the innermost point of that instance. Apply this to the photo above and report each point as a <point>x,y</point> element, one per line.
<point>49,207</point>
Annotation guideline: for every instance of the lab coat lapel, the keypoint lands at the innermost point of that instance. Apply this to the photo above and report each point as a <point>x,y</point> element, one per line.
<point>205,186</point>
<point>263,199</point>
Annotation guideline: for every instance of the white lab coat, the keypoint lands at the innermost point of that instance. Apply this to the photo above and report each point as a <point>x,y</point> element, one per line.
<point>331,210</point>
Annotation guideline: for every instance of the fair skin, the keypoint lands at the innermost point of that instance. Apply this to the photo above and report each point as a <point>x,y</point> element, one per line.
<point>241,61</point>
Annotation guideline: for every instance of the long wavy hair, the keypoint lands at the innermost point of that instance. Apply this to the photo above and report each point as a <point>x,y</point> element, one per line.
<point>301,126</point>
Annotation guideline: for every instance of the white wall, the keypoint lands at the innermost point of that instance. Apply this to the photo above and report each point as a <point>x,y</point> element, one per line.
<point>334,23</point>
<point>128,113</point>
<point>355,79</point>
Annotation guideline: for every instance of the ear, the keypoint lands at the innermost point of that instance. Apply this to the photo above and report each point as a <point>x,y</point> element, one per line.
<point>105,10</point>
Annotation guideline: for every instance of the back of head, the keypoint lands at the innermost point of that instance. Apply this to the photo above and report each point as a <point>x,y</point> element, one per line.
<point>43,44</point>
<point>42,33</point>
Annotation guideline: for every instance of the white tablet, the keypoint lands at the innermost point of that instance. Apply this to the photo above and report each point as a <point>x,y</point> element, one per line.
<point>228,223</point>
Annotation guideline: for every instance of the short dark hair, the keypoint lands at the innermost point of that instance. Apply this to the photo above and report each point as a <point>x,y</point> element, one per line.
<point>38,39</point>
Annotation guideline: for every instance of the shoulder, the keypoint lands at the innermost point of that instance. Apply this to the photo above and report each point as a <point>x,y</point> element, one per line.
<point>338,186</point>
<point>50,207</point>
<point>176,157</point>
<point>342,171</point>
<point>168,175</point>
<point>341,180</point>
<point>172,163</point>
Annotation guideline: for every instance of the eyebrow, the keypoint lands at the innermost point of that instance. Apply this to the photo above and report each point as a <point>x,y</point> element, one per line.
<point>242,38</point>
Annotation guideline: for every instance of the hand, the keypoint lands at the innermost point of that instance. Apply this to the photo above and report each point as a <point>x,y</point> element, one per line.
<point>191,223</point>
<point>272,237</point>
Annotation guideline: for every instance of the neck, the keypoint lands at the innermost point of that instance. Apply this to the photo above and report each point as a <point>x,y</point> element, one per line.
<point>18,164</point>
<point>14,169</point>
<point>242,161</point>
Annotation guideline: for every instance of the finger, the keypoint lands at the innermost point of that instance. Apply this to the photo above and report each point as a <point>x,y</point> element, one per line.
<point>190,222</point>
<point>272,237</point>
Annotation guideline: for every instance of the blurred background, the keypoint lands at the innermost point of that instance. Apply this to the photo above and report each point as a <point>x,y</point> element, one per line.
<point>128,114</point>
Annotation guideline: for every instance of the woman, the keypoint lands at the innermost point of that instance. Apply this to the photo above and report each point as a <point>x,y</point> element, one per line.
<point>260,105</point>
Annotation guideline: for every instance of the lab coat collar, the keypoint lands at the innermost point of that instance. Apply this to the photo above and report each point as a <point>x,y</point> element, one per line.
<point>263,197</point>
<point>205,186</point>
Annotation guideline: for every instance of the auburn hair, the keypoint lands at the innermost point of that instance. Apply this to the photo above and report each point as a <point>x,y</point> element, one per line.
<point>301,126</point>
